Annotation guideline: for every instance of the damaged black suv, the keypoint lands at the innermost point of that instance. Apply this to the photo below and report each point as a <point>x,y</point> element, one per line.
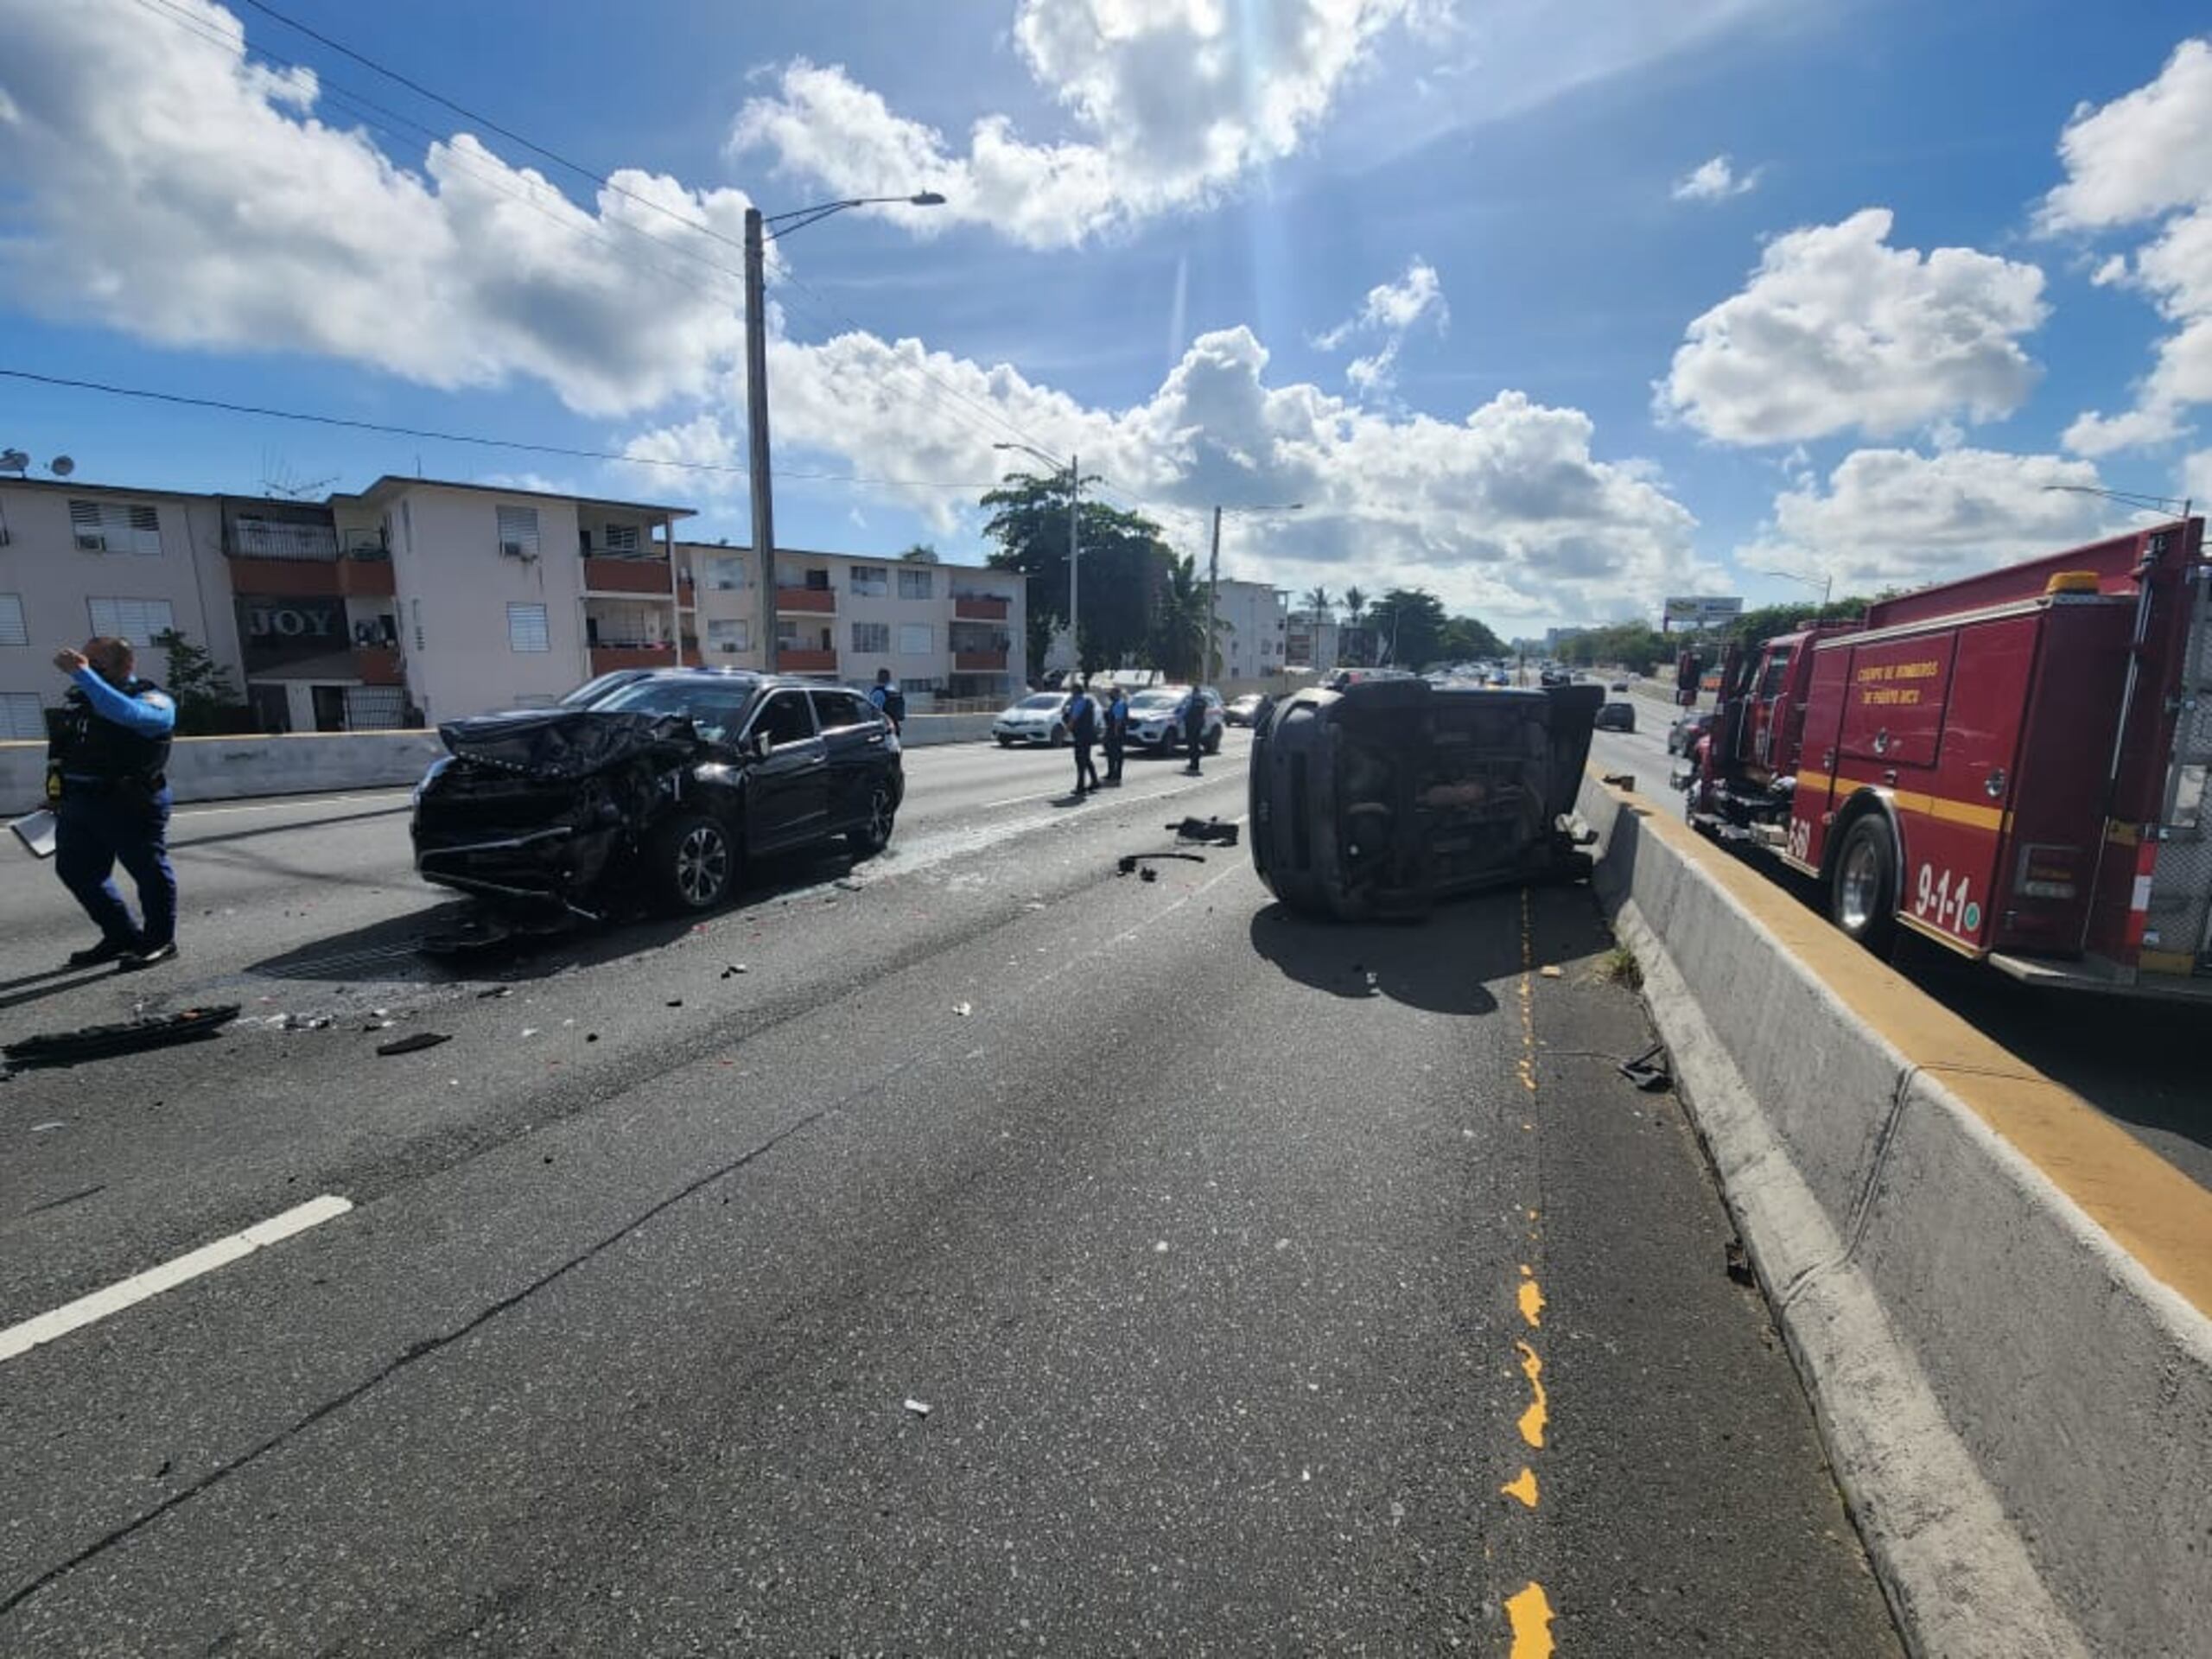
<point>665,784</point>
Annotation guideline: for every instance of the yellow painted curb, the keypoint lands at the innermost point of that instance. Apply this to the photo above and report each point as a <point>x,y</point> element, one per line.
<point>2152,1209</point>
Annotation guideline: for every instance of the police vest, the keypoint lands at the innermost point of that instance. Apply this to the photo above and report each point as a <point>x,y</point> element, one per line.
<point>85,746</point>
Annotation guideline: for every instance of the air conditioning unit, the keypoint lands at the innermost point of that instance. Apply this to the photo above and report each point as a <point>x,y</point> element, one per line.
<point>515,550</point>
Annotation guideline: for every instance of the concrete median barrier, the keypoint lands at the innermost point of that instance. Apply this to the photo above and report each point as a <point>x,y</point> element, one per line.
<point>1997,1297</point>
<point>311,763</point>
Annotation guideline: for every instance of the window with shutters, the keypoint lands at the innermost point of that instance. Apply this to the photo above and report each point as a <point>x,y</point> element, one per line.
<point>415,614</point>
<point>135,620</point>
<point>873,637</point>
<point>914,584</point>
<point>622,540</point>
<point>914,639</point>
<point>871,579</point>
<point>519,533</point>
<point>21,716</point>
<point>725,638</point>
<point>12,631</point>
<point>526,629</point>
<point>115,527</point>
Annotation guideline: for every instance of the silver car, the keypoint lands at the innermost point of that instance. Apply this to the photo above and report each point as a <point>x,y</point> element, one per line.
<point>1156,719</point>
<point>1035,718</point>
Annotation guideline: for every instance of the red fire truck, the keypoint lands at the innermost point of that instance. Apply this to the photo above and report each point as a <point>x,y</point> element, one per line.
<point>2012,765</point>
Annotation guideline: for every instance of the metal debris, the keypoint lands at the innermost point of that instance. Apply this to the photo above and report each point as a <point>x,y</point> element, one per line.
<point>1739,1264</point>
<point>1649,1070</point>
<point>919,1407</point>
<point>1211,830</point>
<point>1621,780</point>
<point>964,1009</point>
<point>414,1043</point>
<point>95,1042</point>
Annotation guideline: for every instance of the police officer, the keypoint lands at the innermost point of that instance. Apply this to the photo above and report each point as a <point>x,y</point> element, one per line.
<point>1081,718</point>
<point>106,779</point>
<point>1118,734</point>
<point>1194,727</point>
<point>890,702</point>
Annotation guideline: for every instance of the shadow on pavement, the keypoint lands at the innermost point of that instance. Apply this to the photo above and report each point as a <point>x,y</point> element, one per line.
<point>36,988</point>
<point>392,949</point>
<point>179,842</point>
<point>1443,965</point>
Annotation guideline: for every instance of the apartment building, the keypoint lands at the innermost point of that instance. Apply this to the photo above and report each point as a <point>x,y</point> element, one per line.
<point>1311,641</point>
<point>1254,640</point>
<point>82,559</point>
<point>422,600</point>
<point>946,631</point>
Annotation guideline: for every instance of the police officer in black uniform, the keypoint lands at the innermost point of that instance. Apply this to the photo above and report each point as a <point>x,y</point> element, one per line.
<point>1194,727</point>
<point>106,779</point>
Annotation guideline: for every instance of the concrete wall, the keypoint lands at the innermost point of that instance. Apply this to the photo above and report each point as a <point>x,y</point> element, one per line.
<point>1996,1296</point>
<point>231,768</point>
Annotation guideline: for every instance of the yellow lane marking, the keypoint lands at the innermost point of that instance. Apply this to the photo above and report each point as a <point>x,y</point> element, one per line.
<point>1532,1302</point>
<point>1522,1486</point>
<point>1539,1411</point>
<point>2156,1213</point>
<point>1532,1623</point>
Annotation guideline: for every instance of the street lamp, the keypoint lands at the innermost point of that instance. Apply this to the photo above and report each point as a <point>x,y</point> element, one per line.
<point>1075,543</point>
<point>759,232</point>
<point>2129,497</point>
<point>1213,574</point>
<point>1826,584</point>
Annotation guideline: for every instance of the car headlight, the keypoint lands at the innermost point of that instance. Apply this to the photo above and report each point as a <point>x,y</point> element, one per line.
<point>430,777</point>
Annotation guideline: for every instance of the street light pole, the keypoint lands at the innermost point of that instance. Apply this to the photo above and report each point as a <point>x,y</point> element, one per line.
<point>757,237</point>
<point>1826,584</point>
<point>756,428</point>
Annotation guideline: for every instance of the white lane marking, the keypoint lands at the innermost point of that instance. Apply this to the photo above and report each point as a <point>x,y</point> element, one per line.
<point>283,801</point>
<point>71,1316</point>
<point>1018,800</point>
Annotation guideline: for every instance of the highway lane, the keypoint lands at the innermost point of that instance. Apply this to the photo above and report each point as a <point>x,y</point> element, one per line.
<point>1268,1287</point>
<point>2157,1091</point>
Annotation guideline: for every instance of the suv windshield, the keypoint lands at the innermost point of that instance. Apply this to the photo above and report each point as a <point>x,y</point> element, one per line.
<point>1155,699</point>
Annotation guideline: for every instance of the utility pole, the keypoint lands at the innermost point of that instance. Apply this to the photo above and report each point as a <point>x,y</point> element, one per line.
<point>756,431</point>
<point>1075,553</point>
<point>1206,670</point>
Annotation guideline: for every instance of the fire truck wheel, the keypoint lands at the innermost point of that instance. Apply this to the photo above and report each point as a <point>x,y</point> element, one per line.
<point>1862,893</point>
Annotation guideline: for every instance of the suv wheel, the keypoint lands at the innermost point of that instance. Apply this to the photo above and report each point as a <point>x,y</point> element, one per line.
<point>1213,739</point>
<point>694,862</point>
<point>873,834</point>
<point>1863,892</point>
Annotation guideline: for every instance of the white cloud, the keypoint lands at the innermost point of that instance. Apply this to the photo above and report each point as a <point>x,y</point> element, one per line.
<point>1837,330</point>
<point>1390,311</point>
<point>166,185</point>
<point>1897,518</point>
<point>1714,180</point>
<point>2146,157</point>
<point>1173,101</point>
<point>2196,479</point>
<point>1507,512</point>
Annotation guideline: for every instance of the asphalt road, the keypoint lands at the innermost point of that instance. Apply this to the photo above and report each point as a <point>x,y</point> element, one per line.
<point>2159,1094</point>
<point>1015,1256</point>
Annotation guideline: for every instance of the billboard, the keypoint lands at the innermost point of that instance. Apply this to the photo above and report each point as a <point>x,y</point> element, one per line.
<point>1696,613</point>
<point>284,632</point>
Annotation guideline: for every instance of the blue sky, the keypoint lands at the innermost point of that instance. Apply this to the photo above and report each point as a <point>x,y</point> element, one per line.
<point>1554,308</point>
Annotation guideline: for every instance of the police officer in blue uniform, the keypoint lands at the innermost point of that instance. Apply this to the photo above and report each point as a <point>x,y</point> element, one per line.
<point>106,779</point>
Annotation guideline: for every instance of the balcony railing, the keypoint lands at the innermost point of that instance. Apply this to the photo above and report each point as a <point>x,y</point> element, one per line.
<point>806,601</point>
<point>378,665</point>
<point>979,662</point>
<point>622,576</point>
<point>606,659</point>
<point>979,608</point>
<point>266,539</point>
<point>793,659</point>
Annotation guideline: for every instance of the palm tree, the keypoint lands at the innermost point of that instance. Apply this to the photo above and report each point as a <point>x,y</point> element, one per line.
<point>1320,603</point>
<point>1179,643</point>
<point>1355,606</point>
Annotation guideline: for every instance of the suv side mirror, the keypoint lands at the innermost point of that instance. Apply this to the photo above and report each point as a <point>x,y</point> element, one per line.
<point>756,744</point>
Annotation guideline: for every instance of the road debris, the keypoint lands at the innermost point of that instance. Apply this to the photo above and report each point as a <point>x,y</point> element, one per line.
<point>1147,875</point>
<point>126,1037</point>
<point>1552,970</point>
<point>496,990</point>
<point>1621,780</point>
<point>964,1009</point>
<point>675,1001</point>
<point>734,969</point>
<point>919,1407</point>
<point>1212,831</point>
<point>1739,1264</point>
<point>414,1043</point>
<point>1128,862</point>
<point>1649,1070</point>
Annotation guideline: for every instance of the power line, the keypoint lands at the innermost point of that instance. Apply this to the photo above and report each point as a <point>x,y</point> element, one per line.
<point>149,395</point>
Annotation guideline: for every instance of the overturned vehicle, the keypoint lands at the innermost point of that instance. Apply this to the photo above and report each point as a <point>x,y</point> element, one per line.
<point>1378,800</point>
<point>659,792</point>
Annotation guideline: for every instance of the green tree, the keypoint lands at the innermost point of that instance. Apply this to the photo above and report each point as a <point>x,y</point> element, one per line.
<point>1124,566</point>
<point>1178,625</point>
<point>1408,625</point>
<point>921,553</point>
<point>1355,606</point>
<point>200,685</point>
<point>1466,638</point>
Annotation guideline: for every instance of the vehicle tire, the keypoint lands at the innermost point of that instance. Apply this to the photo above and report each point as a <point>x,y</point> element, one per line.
<point>1862,885</point>
<point>694,862</point>
<point>1005,742</point>
<point>874,834</point>
<point>1213,742</point>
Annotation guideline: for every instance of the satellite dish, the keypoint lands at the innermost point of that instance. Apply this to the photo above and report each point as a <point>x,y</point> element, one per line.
<point>13,461</point>
<point>61,466</point>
